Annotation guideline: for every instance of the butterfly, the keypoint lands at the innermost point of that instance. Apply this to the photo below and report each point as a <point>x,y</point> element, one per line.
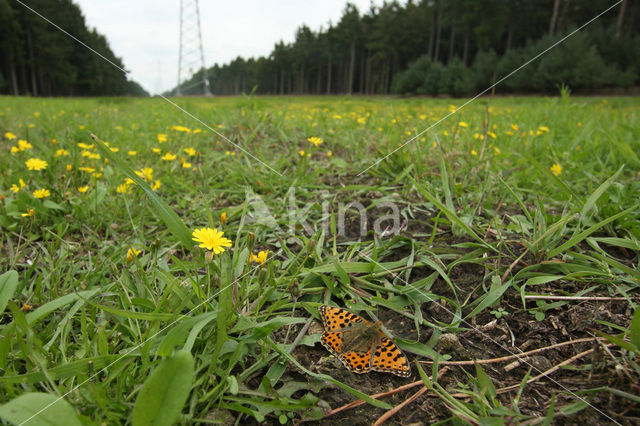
<point>360,344</point>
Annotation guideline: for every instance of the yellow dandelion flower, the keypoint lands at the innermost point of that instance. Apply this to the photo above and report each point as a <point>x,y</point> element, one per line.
<point>556,169</point>
<point>41,193</point>
<point>463,124</point>
<point>14,188</point>
<point>497,150</point>
<point>145,173</point>
<point>9,136</point>
<point>86,169</point>
<point>15,149</point>
<point>83,189</point>
<point>156,150</point>
<point>329,154</point>
<point>162,137</point>
<point>474,152</point>
<point>169,156</point>
<point>301,152</point>
<point>543,128</point>
<point>69,167</point>
<point>114,149</point>
<point>196,131</point>
<point>36,164</point>
<point>211,239</point>
<point>315,141</point>
<point>156,185</point>
<point>223,218</point>
<point>186,165</point>
<point>261,258</point>
<point>61,152</point>
<point>24,145</point>
<point>123,189</point>
<point>181,129</point>
<point>84,145</point>
<point>132,153</point>
<point>132,253</point>
<point>29,213</point>
<point>190,152</point>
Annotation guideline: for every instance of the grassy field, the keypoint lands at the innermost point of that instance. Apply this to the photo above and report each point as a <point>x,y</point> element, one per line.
<point>510,227</point>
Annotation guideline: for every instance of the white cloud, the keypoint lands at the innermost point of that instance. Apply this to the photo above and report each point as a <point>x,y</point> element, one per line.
<point>145,33</point>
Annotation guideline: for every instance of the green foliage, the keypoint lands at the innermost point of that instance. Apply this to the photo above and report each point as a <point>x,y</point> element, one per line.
<point>39,409</point>
<point>506,199</point>
<point>46,62</point>
<point>8,284</point>
<point>165,391</point>
<point>425,77</point>
<point>484,69</point>
<point>396,48</point>
<point>412,79</point>
<point>577,64</point>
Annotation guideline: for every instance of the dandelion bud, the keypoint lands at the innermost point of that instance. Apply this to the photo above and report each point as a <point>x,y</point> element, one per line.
<point>295,289</point>
<point>251,240</point>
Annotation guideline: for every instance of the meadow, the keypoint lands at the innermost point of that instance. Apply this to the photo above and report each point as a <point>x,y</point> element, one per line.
<point>499,249</point>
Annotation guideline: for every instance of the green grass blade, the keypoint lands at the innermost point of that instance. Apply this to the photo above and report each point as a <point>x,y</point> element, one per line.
<point>634,330</point>
<point>490,298</point>
<point>452,216</point>
<point>576,239</point>
<point>8,285</point>
<point>165,391</point>
<point>58,303</point>
<point>70,369</point>
<point>39,409</point>
<point>593,198</point>
<point>174,224</point>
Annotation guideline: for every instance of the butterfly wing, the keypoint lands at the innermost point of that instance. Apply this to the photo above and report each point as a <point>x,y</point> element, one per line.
<point>358,362</point>
<point>389,358</point>
<point>337,318</point>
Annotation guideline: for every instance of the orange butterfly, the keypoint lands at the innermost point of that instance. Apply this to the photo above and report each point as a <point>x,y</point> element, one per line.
<point>360,344</point>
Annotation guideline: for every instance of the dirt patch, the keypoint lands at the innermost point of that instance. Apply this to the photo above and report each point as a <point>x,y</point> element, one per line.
<point>488,336</point>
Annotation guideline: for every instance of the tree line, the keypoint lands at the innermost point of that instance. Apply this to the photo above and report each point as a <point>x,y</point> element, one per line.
<point>39,60</point>
<point>414,47</point>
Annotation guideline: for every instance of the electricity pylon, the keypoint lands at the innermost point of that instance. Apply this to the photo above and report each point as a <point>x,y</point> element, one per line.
<point>191,55</point>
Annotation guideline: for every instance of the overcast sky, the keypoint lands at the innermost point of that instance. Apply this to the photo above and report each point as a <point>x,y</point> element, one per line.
<point>145,33</point>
